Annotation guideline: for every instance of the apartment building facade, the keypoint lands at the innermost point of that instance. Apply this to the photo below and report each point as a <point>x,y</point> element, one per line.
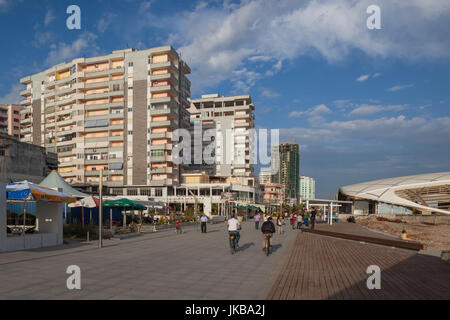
<point>288,171</point>
<point>265,176</point>
<point>232,119</point>
<point>307,188</point>
<point>273,193</point>
<point>114,112</point>
<point>10,119</point>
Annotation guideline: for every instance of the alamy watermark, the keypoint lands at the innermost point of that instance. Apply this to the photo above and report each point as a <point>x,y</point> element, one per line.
<point>74,20</point>
<point>74,280</point>
<point>228,146</point>
<point>374,281</point>
<point>374,20</point>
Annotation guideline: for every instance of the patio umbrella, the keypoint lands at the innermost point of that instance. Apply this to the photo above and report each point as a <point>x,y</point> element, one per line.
<point>124,205</point>
<point>27,191</point>
<point>87,202</point>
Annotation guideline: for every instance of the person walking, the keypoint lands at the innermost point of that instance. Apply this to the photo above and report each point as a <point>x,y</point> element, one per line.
<point>203,221</point>
<point>279,225</point>
<point>307,218</point>
<point>257,219</point>
<point>293,221</point>
<point>313,218</point>
<point>299,221</point>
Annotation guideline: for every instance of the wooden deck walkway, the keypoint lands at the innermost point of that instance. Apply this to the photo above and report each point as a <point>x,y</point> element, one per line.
<point>321,267</point>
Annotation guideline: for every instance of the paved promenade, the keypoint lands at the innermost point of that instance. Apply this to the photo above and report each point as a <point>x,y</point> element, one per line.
<point>162,265</point>
<point>321,267</point>
<point>197,266</point>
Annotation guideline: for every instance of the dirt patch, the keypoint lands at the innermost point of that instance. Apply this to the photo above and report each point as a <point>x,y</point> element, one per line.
<point>436,236</point>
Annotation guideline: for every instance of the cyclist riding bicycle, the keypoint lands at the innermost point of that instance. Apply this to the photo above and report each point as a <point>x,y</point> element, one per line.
<point>234,226</point>
<point>268,229</point>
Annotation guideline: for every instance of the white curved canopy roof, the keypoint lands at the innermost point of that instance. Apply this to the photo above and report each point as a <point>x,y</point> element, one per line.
<point>384,190</point>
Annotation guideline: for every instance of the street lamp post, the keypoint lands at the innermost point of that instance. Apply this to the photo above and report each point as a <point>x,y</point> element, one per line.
<point>100,211</point>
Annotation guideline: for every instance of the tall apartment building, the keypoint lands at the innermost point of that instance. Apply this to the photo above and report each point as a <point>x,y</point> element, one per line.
<point>307,188</point>
<point>10,119</point>
<point>265,176</point>
<point>232,118</point>
<point>114,112</point>
<point>289,167</point>
<point>3,119</point>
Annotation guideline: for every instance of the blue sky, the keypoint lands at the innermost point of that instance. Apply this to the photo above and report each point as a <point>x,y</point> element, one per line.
<point>363,104</point>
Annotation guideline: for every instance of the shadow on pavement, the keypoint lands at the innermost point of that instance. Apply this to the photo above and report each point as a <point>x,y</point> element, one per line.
<point>246,246</point>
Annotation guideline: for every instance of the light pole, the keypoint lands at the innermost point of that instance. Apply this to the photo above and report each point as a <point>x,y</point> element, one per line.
<point>100,211</point>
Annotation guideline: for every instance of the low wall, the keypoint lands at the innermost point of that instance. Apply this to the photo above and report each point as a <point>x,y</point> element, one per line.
<point>411,219</point>
<point>31,241</point>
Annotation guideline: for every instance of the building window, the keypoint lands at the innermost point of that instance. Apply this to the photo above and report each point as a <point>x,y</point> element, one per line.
<point>130,64</point>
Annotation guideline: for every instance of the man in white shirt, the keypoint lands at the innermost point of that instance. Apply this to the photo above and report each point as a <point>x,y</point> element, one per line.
<point>234,226</point>
<point>204,221</point>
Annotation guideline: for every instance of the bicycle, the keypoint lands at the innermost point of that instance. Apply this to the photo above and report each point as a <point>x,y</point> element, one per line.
<point>232,242</point>
<point>267,237</point>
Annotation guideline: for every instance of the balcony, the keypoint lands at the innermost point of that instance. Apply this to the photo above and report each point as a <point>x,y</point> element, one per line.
<point>168,111</point>
<point>26,92</point>
<point>165,170</point>
<point>25,102</point>
<point>158,183</point>
<point>166,123</point>
<point>166,76</point>
<point>164,146</point>
<point>99,84</point>
<point>166,100</point>
<point>160,159</point>
<point>161,135</point>
<point>96,73</point>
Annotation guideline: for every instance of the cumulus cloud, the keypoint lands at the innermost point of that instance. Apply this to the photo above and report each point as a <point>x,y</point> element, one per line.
<point>364,150</point>
<point>400,87</point>
<point>315,113</point>
<point>365,109</point>
<point>363,78</point>
<point>63,52</point>
<point>49,17</point>
<point>13,96</point>
<point>105,21</point>
<point>215,39</point>
<point>266,92</point>
<point>398,129</point>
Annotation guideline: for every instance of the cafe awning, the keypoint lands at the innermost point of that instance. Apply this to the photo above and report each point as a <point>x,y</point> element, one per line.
<point>28,191</point>
<point>87,202</point>
<point>124,204</point>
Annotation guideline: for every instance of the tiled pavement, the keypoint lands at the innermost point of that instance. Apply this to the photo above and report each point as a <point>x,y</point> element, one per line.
<point>162,265</point>
<point>321,267</point>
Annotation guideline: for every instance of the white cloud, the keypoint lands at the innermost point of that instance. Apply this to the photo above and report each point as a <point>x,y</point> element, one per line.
<point>400,87</point>
<point>365,110</point>
<point>13,96</point>
<point>217,39</point>
<point>266,92</point>
<point>49,17</point>
<point>314,113</point>
<point>105,21</point>
<point>363,78</point>
<point>381,130</point>
<point>63,52</point>
<point>41,38</point>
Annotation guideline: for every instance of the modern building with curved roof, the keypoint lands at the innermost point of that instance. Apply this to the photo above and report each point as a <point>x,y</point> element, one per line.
<point>425,193</point>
